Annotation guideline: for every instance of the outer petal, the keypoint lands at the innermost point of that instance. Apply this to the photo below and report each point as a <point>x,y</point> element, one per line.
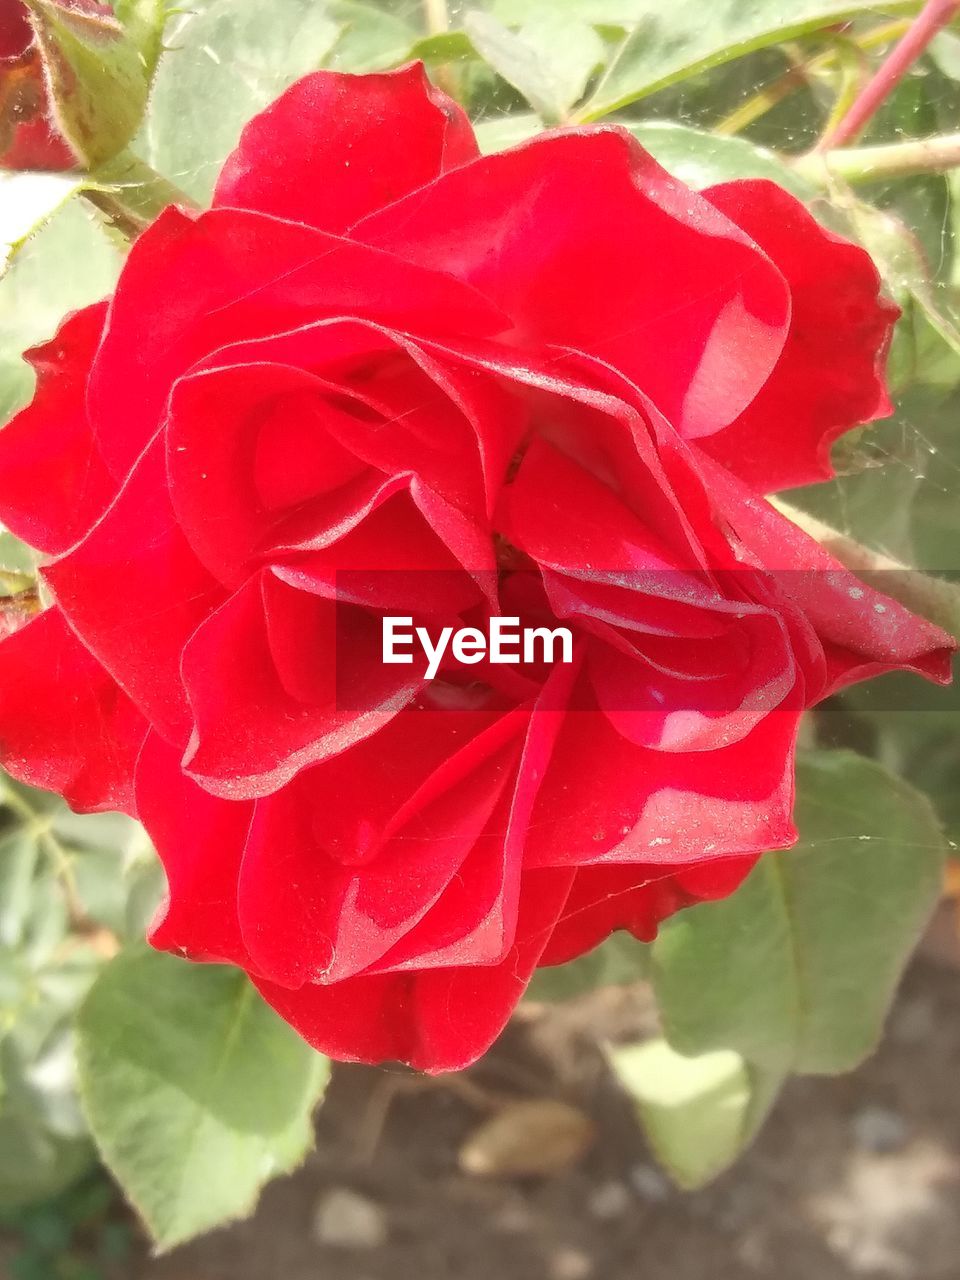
<point>335,147</point>
<point>438,1020</point>
<point>53,481</point>
<point>233,274</point>
<point>635,804</point>
<point>864,632</point>
<point>636,898</point>
<point>830,375</point>
<point>589,244</point>
<point>65,725</point>
<point>134,591</point>
<point>200,842</point>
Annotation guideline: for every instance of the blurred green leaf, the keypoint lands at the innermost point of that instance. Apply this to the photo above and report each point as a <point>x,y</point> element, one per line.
<point>945,52</point>
<point>444,46</point>
<point>600,12</point>
<point>501,132</point>
<point>62,885</point>
<point>698,1113</point>
<point>702,159</point>
<point>902,263</point>
<point>668,42</point>
<point>804,958</point>
<point>370,38</point>
<point>549,60</point>
<point>67,264</point>
<point>225,62</point>
<point>196,1092</point>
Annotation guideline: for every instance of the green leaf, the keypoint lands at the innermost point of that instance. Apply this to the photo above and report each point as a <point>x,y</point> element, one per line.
<point>34,1163</point>
<point>443,46</point>
<point>601,12</point>
<point>226,62</point>
<point>903,265</point>
<point>99,72</point>
<point>67,264</point>
<point>699,1113</point>
<point>549,60</point>
<point>501,132</point>
<point>945,52</point>
<point>668,42</point>
<point>804,959</point>
<point>701,159</point>
<point>370,38</point>
<point>196,1092</point>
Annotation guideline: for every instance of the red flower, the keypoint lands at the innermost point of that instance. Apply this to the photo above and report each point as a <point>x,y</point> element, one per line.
<point>386,376</point>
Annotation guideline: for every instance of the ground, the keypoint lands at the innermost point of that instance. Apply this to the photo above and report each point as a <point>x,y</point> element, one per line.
<point>852,1177</point>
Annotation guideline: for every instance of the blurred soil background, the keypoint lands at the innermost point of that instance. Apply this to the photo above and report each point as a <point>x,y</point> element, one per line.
<point>532,1167</point>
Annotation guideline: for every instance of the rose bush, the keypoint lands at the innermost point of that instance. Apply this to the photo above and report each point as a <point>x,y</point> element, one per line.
<point>383,375</point>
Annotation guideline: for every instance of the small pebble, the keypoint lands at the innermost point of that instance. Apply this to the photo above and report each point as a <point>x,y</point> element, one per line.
<point>570,1264</point>
<point>879,1130</point>
<point>347,1220</point>
<point>649,1183</point>
<point>610,1200</point>
<point>513,1218</point>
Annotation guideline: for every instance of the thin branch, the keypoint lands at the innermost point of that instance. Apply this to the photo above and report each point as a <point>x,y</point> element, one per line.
<point>436,16</point>
<point>939,154</point>
<point>931,19</point>
<point>801,74</point>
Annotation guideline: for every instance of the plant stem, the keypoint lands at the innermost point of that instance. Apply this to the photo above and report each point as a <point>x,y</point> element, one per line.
<point>872,164</point>
<point>800,74</point>
<point>437,20</point>
<point>933,17</point>
<point>436,16</point>
<point>38,827</point>
<point>131,194</point>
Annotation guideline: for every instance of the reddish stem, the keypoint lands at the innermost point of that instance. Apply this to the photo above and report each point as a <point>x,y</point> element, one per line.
<point>933,17</point>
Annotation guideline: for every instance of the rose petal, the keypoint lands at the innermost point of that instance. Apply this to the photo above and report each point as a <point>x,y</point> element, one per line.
<point>200,841</point>
<point>53,481</point>
<point>334,147</point>
<point>134,591</point>
<point>830,375</point>
<point>334,875</point>
<point>233,274</point>
<point>635,804</point>
<point>635,898</point>
<point>65,725</point>
<point>864,632</point>
<point>437,1020</point>
<point>560,233</point>
<point>278,680</point>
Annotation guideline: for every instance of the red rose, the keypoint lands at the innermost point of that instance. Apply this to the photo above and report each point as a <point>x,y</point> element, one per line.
<point>385,376</point>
